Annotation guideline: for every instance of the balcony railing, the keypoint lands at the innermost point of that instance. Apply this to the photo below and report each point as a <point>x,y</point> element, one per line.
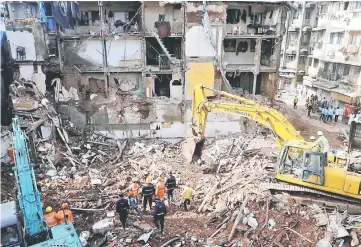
<point>164,62</point>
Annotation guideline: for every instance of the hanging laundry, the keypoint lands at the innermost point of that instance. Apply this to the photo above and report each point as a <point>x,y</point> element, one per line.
<point>244,16</point>
<point>110,14</point>
<point>60,10</point>
<point>163,29</point>
<point>242,47</point>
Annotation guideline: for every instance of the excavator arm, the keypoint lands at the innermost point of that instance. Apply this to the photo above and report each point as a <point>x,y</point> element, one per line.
<point>268,117</point>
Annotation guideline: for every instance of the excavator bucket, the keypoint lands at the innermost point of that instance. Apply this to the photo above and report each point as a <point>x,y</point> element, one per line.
<point>191,146</point>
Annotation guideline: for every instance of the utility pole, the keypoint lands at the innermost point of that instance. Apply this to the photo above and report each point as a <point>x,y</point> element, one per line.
<point>300,37</point>
<point>104,50</point>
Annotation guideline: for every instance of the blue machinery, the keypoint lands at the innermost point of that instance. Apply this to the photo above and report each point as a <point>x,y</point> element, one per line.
<point>36,232</point>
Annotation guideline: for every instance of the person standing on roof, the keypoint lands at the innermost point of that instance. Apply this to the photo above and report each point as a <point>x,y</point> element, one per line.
<point>147,192</point>
<point>159,213</point>
<point>51,218</point>
<point>122,207</point>
<point>322,142</point>
<point>170,183</point>
<point>160,189</point>
<point>65,214</point>
<point>295,101</point>
<point>187,196</point>
<point>133,196</point>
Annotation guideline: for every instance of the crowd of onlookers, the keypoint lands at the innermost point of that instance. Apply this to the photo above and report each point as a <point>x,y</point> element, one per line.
<point>329,109</point>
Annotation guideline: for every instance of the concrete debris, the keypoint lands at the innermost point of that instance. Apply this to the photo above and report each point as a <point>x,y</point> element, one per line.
<point>252,222</point>
<point>103,225</point>
<point>145,237</point>
<point>91,168</point>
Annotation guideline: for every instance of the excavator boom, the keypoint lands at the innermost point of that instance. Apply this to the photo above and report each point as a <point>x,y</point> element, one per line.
<point>301,162</point>
<point>282,129</point>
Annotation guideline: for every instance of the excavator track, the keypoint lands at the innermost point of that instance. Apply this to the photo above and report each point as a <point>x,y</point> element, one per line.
<point>280,186</point>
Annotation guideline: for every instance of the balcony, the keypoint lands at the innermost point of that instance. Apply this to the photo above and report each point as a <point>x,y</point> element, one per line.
<point>312,71</point>
<point>322,22</point>
<point>354,24</point>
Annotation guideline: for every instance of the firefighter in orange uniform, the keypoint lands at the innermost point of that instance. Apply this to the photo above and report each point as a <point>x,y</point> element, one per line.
<point>160,189</point>
<point>51,218</point>
<point>133,197</point>
<point>65,214</point>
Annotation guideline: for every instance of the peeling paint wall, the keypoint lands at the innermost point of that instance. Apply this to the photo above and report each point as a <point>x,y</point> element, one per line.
<point>268,84</point>
<point>199,73</point>
<point>216,12</point>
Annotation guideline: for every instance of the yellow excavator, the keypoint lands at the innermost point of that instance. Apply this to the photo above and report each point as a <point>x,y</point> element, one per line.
<point>300,165</point>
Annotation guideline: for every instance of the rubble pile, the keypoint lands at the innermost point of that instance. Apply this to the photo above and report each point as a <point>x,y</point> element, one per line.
<point>89,169</point>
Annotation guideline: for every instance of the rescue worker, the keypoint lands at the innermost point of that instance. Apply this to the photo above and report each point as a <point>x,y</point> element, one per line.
<point>158,214</point>
<point>65,214</point>
<point>295,101</point>
<point>147,193</point>
<point>160,189</point>
<point>134,188</point>
<point>11,153</point>
<point>133,197</point>
<point>51,218</point>
<point>170,183</point>
<point>322,142</point>
<point>187,196</point>
<point>122,207</point>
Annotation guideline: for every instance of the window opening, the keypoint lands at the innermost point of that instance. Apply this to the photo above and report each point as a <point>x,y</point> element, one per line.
<point>162,85</point>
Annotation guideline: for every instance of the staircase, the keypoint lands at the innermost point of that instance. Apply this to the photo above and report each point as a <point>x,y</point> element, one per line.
<point>166,52</point>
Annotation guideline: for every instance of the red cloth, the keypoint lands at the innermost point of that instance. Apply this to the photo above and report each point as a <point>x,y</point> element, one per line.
<point>163,29</point>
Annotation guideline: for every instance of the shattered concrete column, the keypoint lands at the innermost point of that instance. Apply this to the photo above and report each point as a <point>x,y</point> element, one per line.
<point>257,61</point>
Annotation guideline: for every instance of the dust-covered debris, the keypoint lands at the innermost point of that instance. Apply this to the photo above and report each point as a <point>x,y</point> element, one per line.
<point>89,169</point>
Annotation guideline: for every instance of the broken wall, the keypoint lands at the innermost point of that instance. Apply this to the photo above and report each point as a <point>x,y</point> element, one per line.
<point>246,57</point>
<point>25,39</point>
<point>268,84</point>
<point>22,10</point>
<point>153,9</point>
<point>121,52</point>
<point>217,12</point>
<point>120,11</point>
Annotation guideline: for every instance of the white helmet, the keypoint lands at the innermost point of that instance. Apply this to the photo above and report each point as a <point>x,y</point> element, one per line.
<point>319,133</point>
<point>312,138</point>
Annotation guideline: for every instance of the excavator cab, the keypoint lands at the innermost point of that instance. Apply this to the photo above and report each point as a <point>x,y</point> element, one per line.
<point>299,162</point>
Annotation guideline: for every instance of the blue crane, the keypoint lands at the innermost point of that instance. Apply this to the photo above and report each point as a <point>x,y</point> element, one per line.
<point>37,234</point>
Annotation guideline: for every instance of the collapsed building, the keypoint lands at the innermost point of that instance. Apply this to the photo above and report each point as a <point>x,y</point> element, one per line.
<point>132,66</point>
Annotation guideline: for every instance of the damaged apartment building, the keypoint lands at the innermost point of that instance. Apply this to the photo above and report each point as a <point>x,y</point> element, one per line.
<point>132,66</point>
<point>322,51</point>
